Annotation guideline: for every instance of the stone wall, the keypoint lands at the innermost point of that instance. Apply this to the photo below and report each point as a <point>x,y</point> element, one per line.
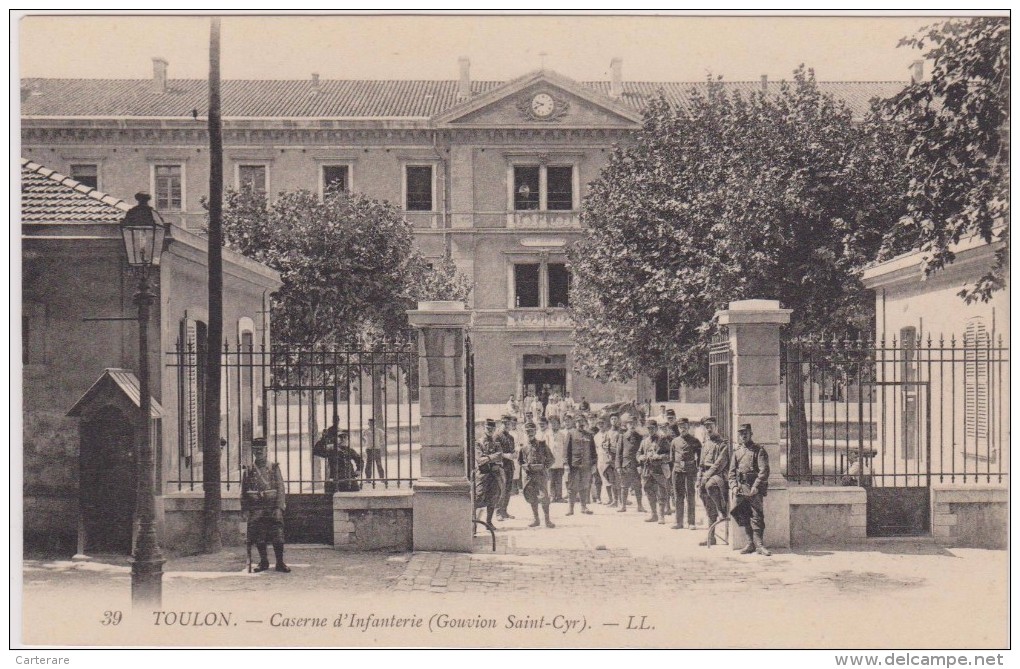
<point>972,516</point>
<point>182,522</point>
<point>372,520</point>
<point>823,515</point>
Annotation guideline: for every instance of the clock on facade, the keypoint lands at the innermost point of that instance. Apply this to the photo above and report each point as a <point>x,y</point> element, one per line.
<point>542,105</point>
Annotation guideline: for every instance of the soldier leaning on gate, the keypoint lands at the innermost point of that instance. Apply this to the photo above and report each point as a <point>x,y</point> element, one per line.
<point>654,458</point>
<point>684,450</point>
<point>489,478</point>
<point>749,481</point>
<point>263,500</point>
<point>535,459</point>
<point>712,477</point>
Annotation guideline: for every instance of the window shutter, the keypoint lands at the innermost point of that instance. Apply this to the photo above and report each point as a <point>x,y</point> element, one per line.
<point>975,380</point>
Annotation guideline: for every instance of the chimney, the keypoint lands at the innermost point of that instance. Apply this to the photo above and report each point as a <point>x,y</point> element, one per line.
<point>464,88</point>
<point>764,83</point>
<point>917,71</point>
<point>616,80</point>
<point>316,89</point>
<point>159,66</point>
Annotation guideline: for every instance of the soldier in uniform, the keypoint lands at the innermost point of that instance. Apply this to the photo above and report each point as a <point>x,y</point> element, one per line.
<point>712,477</point>
<point>505,437</point>
<point>627,464</point>
<point>749,480</point>
<point>535,459</point>
<point>489,479</point>
<point>604,460</point>
<point>579,456</point>
<point>263,500</point>
<point>684,451</point>
<point>343,464</point>
<point>654,456</point>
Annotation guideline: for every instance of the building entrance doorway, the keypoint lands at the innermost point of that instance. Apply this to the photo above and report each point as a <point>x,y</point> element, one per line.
<point>108,481</point>
<point>545,371</point>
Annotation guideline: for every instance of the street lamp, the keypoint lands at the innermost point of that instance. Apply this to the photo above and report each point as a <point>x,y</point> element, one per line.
<point>143,241</point>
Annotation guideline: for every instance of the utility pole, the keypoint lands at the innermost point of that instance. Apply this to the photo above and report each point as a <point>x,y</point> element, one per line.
<point>212,507</point>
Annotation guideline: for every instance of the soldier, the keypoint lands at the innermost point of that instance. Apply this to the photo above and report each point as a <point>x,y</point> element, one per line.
<point>712,477</point>
<point>749,480</point>
<point>580,456</point>
<point>605,469</point>
<point>489,479</point>
<point>535,458</point>
<point>654,456</point>
<point>343,464</point>
<point>614,446</point>
<point>683,453</point>
<point>556,439</point>
<point>263,500</point>
<point>505,438</point>
<point>627,464</point>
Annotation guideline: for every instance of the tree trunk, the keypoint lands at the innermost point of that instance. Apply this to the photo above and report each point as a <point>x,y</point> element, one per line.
<point>212,507</point>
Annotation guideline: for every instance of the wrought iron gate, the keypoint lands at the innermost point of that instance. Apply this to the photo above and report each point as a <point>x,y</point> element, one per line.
<point>469,413</point>
<point>720,379</point>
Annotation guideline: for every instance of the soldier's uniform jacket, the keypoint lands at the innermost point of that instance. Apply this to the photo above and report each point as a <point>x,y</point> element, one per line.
<point>654,455</point>
<point>263,489</point>
<point>749,471</point>
<point>627,460</point>
<point>535,459</point>
<point>614,445</point>
<point>715,458</point>
<point>580,449</point>
<point>683,453</point>
<point>485,451</point>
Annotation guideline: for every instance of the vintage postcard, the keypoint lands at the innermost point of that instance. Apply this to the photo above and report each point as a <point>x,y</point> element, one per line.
<point>491,331</point>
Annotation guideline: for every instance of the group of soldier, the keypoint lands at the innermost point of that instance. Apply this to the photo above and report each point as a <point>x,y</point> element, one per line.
<point>620,453</point>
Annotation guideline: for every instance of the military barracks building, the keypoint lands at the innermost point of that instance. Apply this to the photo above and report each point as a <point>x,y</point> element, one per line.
<point>491,172</point>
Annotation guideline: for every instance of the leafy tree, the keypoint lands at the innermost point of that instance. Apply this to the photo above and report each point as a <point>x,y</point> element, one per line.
<point>777,195</point>
<point>347,263</point>
<point>956,126</point>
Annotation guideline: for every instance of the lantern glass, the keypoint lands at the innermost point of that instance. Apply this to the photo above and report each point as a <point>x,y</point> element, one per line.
<point>143,238</point>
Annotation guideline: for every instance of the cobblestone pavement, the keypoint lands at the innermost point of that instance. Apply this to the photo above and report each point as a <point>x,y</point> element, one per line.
<point>608,569</point>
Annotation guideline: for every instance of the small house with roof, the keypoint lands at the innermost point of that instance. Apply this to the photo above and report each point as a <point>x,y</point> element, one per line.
<point>80,357</point>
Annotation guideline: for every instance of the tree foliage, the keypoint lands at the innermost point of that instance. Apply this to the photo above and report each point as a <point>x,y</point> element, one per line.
<point>347,263</point>
<point>956,126</point>
<point>777,195</point>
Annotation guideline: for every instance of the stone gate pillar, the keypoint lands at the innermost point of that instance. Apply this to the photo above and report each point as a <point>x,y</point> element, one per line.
<point>441,502</point>
<point>754,327</point>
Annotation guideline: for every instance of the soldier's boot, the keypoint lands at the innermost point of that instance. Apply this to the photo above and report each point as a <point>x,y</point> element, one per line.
<point>640,508</point>
<point>710,540</point>
<point>545,511</point>
<point>280,565</point>
<point>585,509</point>
<point>534,510</point>
<point>622,499</point>
<point>488,516</point>
<point>263,558</point>
<point>749,548</point>
<point>570,511</point>
<point>759,542</point>
<point>662,514</point>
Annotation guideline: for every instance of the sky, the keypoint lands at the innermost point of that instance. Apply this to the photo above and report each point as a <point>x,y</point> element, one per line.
<point>653,48</point>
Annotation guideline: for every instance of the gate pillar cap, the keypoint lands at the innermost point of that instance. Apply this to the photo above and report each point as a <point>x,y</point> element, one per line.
<point>754,312</point>
<point>439,314</point>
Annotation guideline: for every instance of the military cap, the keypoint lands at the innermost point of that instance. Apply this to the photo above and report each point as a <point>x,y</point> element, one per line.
<point>143,195</point>
<point>543,421</point>
<point>744,427</point>
<point>615,413</point>
<point>670,413</point>
<point>684,421</point>
<point>489,422</point>
<point>506,416</point>
<point>651,422</point>
<point>530,426</point>
<point>258,442</point>
<point>581,418</point>
<point>708,419</point>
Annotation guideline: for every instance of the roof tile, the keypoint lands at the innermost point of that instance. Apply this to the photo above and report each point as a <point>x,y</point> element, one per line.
<point>50,197</point>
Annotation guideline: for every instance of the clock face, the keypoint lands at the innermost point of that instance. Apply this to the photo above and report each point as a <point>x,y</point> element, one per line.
<point>542,105</point>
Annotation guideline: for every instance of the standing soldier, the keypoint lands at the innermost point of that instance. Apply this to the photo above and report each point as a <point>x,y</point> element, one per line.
<point>627,464</point>
<point>489,479</point>
<point>654,456</point>
<point>556,439</point>
<point>580,456</point>
<point>263,500</point>
<point>683,453</point>
<point>505,438</point>
<point>711,483</point>
<point>606,470</point>
<point>535,459</point>
<point>749,480</point>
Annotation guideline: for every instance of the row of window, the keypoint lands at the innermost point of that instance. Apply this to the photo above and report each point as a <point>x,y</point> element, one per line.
<point>535,187</point>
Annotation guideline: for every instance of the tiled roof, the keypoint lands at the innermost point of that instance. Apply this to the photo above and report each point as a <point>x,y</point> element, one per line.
<point>123,380</point>
<point>50,197</point>
<point>340,98</point>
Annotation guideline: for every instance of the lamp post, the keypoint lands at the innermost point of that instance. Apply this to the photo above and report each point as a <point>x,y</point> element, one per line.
<point>143,241</point>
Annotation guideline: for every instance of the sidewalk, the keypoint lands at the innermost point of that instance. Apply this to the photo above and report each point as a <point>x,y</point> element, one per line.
<point>602,568</point>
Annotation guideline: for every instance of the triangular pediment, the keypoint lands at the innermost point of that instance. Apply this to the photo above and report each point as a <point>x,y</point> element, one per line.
<point>540,99</point>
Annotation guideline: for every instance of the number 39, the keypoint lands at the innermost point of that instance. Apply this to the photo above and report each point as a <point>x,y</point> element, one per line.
<point>111,618</point>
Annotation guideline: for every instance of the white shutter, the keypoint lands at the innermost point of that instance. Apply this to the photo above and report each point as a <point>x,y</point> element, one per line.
<point>975,384</point>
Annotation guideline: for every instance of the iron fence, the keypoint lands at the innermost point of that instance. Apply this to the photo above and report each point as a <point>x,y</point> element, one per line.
<point>903,413</point>
<point>334,419</point>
